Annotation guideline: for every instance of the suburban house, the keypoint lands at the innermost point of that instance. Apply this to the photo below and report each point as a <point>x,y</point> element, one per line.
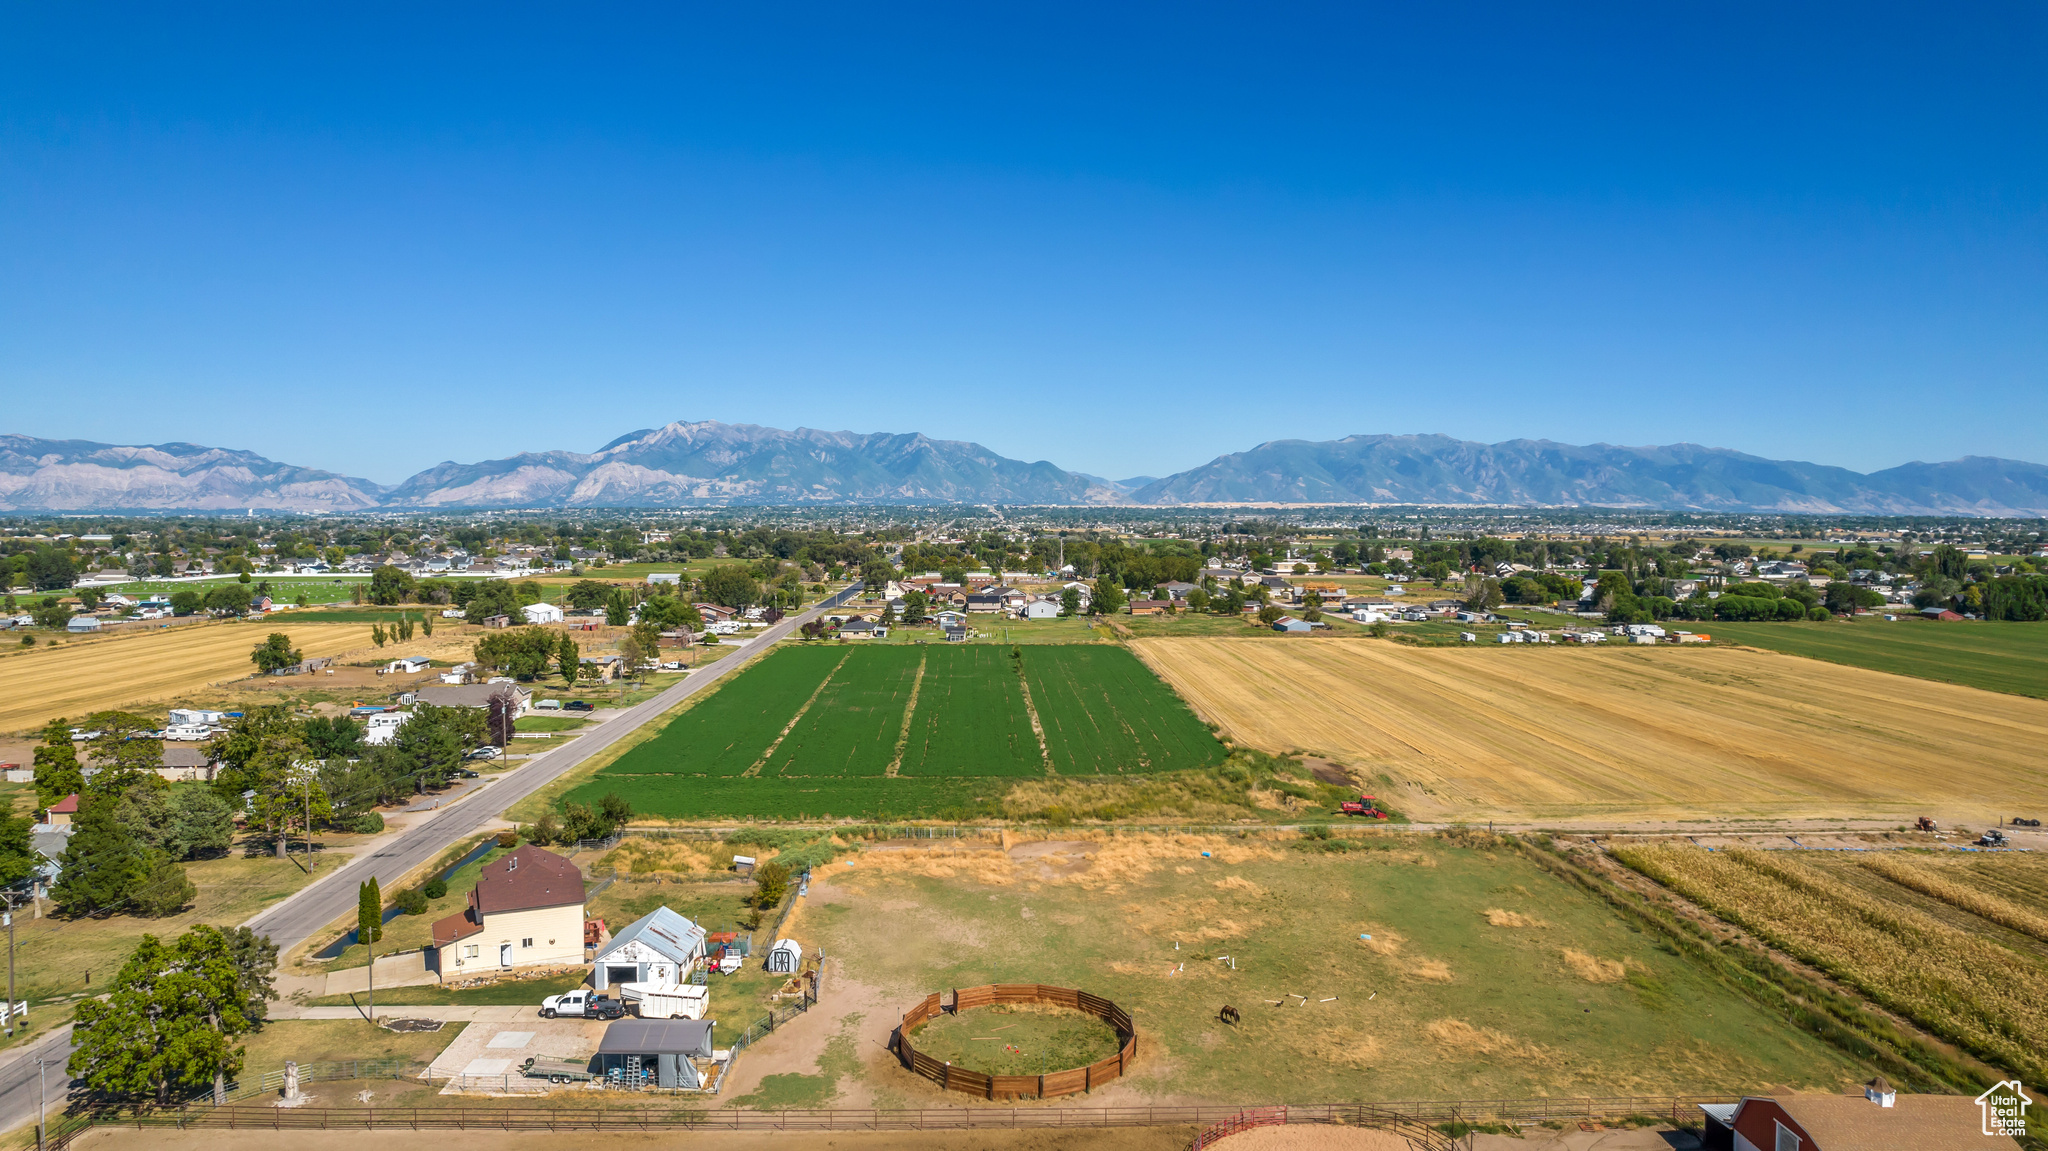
<point>60,813</point>
<point>950,619</point>
<point>606,667</point>
<point>1041,609</point>
<point>713,613</point>
<point>659,947</point>
<point>1876,1119</point>
<point>542,613</point>
<point>863,629</point>
<point>186,765</point>
<point>83,623</point>
<point>470,694</point>
<point>956,634</point>
<point>984,603</point>
<point>526,909</point>
<point>1177,589</point>
<point>1150,606</point>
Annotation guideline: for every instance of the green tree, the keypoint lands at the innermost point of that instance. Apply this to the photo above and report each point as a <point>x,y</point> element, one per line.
<point>103,864</point>
<point>667,613</point>
<point>169,1024</point>
<point>185,601</point>
<point>618,609</point>
<point>390,585</point>
<point>588,593</point>
<point>568,659</point>
<point>1270,615</point>
<point>165,889</point>
<point>1070,602</point>
<point>771,883</point>
<point>58,772</point>
<point>18,857</point>
<point>125,753</point>
<point>1108,598</point>
<point>228,599</point>
<point>275,653</point>
<point>201,824</point>
<point>522,653</point>
<point>52,613</point>
<point>48,569</point>
<point>729,585</point>
<point>369,912</point>
<point>1484,596</point>
<point>255,960</point>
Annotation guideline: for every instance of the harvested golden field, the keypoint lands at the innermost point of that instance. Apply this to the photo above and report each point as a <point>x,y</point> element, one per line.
<point>74,677</point>
<point>1652,732</point>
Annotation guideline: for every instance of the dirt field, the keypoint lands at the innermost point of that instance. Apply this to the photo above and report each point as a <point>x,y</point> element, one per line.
<point>72,677</point>
<point>1656,732</point>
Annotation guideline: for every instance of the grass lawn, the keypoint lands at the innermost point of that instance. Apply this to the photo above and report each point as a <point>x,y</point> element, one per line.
<point>511,992</point>
<point>1017,1040</point>
<point>548,723</point>
<point>334,1040</point>
<point>1484,976</point>
<point>1998,656</point>
<point>411,932</point>
<point>59,960</point>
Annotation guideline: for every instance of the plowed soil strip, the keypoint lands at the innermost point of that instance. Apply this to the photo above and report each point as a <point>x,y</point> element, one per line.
<point>755,769</point>
<point>909,712</point>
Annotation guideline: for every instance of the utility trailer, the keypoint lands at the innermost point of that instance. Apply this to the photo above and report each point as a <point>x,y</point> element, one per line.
<point>557,1070</point>
<point>666,1000</point>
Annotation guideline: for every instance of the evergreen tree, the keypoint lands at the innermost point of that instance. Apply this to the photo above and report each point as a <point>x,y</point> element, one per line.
<point>18,858</point>
<point>255,959</point>
<point>567,658</point>
<point>369,912</point>
<point>58,773</point>
<point>170,1023</point>
<point>103,865</point>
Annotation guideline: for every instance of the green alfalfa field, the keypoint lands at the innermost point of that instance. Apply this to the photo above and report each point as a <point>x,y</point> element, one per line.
<point>906,731</point>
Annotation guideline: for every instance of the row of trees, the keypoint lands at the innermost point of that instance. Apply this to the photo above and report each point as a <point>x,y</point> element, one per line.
<point>168,1026</point>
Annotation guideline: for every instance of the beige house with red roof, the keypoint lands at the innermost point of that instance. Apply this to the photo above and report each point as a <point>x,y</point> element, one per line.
<point>526,910</point>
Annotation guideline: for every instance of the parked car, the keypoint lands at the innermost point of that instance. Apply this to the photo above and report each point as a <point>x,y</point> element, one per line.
<point>577,705</point>
<point>583,1004</point>
<point>487,751</point>
<point>672,665</point>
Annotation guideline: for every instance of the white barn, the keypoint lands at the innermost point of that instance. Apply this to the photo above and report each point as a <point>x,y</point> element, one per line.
<point>659,947</point>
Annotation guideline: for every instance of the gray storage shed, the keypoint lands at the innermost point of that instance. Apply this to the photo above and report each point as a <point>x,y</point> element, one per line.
<point>656,1049</point>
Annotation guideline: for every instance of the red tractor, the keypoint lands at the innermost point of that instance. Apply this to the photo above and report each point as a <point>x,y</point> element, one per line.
<point>1363,805</point>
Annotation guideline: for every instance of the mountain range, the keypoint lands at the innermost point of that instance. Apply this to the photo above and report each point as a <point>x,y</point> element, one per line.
<point>707,463</point>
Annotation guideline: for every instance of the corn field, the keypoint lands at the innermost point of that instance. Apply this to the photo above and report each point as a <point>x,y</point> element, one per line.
<point>1968,989</point>
<point>1928,881</point>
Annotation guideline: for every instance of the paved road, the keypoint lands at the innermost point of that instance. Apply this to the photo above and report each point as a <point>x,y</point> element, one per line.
<point>300,917</point>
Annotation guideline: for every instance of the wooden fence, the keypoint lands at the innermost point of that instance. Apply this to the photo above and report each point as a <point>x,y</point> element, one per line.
<point>1048,1086</point>
<point>1677,1110</point>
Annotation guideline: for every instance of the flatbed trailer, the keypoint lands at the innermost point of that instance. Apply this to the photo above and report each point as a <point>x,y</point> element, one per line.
<point>557,1070</point>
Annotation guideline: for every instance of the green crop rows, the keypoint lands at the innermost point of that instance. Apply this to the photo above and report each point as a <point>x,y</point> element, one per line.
<point>970,718</point>
<point>851,729</point>
<point>1104,712</point>
<point>727,732</point>
<point>838,712</point>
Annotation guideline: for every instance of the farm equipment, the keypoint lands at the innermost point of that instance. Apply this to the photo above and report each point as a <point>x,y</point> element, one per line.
<point>1993,838</point>
<point>1363,805</point>
<point>1925,824</point>
<point>556,1070</point>
<point>2022,821</point>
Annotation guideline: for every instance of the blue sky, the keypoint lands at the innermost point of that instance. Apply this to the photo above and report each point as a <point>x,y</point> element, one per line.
<point>1125,238</point>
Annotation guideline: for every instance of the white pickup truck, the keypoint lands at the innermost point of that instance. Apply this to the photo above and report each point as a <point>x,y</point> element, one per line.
<point>583,1004</point>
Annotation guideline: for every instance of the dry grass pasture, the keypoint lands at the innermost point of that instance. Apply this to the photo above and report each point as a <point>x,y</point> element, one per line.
<point>1652,732</point>
<point>74,677</point>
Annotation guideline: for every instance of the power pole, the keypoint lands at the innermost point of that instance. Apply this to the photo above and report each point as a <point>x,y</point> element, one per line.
<point>7,917</point>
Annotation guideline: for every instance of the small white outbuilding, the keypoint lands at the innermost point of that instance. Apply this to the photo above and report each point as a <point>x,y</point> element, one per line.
<point>786,957</point>
<point>542,613</point>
